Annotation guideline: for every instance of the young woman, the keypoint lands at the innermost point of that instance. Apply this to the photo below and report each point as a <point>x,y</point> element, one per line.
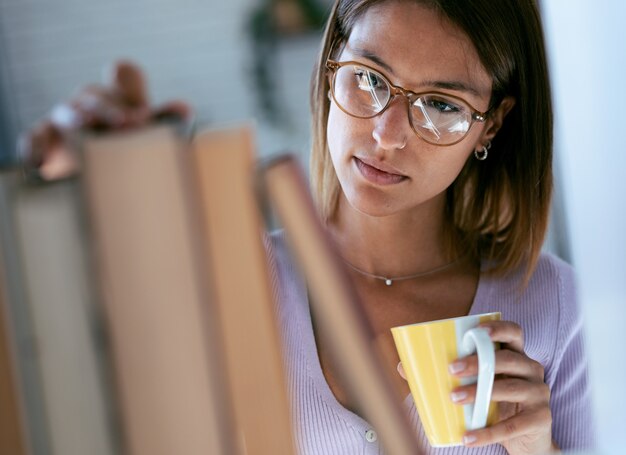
<point>431,165</point>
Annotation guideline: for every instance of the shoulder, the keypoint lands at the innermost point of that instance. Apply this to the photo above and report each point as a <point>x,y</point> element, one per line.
<point>553,282</point>
<point>553,271</point>
<point>551,285</point>
<point>562,278</point>
<point>546,308</point>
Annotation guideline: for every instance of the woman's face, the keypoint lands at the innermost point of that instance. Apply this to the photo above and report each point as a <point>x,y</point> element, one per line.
<point>382,165</point>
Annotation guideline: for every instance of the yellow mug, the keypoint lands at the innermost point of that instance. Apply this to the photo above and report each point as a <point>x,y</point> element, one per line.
<point>425,351</point>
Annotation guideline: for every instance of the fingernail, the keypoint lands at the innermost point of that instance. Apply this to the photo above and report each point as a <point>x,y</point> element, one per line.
<point>456,367</point>
<point>401,371</point>
<point>458,396</point>
<point>469,439</point>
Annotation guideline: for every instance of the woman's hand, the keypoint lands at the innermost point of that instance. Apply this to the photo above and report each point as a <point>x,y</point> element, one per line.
<point>120,103</point>
<point>525,420</point>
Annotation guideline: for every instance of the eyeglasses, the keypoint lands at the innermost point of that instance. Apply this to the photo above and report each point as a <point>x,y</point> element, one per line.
<point>437,118</point>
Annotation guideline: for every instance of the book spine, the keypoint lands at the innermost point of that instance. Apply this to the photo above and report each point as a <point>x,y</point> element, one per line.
<point>61,304</point>
<point>242,294</point>
<point>336,307</point>
<point>167,381</point>
<point>27,368</point>
<point>12,431</point>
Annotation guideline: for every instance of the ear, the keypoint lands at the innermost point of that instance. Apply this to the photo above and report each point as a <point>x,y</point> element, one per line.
<point>495,119</point>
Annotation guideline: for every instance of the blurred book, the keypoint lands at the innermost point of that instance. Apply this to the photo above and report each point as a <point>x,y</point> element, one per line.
<point>241,291</point>
<point>153,296</point>
<point>335,306</point>
<point>184,298</point>
<point>52,249</point>
<point>22,335</point>
<point>12,432</point>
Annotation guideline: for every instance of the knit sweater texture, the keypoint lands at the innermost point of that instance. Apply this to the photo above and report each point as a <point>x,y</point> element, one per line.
<point>546,310</point>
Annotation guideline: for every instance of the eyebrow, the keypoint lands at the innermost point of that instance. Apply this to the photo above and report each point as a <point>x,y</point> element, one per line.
<point>361,52</point>
<point>446,85</point>
<point>453,85</point>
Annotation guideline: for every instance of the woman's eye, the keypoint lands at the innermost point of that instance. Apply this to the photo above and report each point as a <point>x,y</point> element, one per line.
<point>443,106</point>
<point>368,80</point>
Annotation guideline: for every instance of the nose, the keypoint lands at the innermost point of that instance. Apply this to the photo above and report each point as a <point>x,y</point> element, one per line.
<point>391,128</point>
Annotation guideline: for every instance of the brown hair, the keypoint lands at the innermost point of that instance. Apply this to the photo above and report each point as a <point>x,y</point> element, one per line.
<point>496,209</point>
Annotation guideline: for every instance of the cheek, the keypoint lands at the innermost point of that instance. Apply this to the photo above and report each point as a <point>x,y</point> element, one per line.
<point>332,132</point>
<point>454,158</point>
<point>342,136</point>
<point>346,135</point>
<point>337,130</point>
<point>449,165</point>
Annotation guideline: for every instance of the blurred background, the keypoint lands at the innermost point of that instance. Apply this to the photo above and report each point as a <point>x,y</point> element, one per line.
<point>586,44</point>
<point>245,59</point>
<point>233,60</point>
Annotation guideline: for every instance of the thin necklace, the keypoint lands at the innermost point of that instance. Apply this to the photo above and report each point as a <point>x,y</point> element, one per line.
<point>389,280</point>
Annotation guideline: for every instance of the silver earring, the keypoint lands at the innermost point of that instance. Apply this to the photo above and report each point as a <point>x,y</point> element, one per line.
<point>482,154</point>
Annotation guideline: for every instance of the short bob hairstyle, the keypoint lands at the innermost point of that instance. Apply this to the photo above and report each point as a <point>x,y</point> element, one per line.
<point>496,210</point>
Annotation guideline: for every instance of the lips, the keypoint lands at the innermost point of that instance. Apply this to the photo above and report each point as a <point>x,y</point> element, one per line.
<point>378,172</point>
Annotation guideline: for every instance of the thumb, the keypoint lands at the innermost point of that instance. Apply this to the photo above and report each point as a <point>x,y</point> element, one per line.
<point>129,83</point>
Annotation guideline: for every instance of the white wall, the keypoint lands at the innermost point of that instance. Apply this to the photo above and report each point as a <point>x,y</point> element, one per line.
<point>196,50</point>
<point>587,46</point>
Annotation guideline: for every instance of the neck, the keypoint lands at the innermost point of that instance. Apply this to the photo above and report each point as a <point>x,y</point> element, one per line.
<point>401,244</point>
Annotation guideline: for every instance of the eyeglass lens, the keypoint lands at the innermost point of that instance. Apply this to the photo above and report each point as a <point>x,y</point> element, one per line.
<point>364,93</point>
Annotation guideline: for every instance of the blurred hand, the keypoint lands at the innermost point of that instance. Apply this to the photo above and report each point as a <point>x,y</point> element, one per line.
<point>121,102</point>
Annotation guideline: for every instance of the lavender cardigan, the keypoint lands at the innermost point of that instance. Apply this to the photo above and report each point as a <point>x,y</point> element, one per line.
<point>546,311</point>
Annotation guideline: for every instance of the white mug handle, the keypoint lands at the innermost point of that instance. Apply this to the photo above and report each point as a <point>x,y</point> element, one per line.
<point>477,339</point>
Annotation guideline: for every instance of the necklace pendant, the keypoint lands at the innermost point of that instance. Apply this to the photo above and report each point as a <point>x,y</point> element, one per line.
<point>388,282</point>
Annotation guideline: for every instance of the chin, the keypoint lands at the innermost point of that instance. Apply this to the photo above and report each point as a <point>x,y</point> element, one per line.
<point>371,202</point>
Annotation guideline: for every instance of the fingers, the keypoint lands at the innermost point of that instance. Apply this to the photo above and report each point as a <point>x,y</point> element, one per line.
<point>511,390</point>
<point>99,107</point>
<point>533,425</point>
<point>520,390</point>
<point>510,360</point>
<point>506,332</point>
<point>128,83</point>
<point>44,150</point>
<point>508,363</point>
<point>177,109</point>
<point>129,86</point>
<point>121,102</point>
<point>33,145</point>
